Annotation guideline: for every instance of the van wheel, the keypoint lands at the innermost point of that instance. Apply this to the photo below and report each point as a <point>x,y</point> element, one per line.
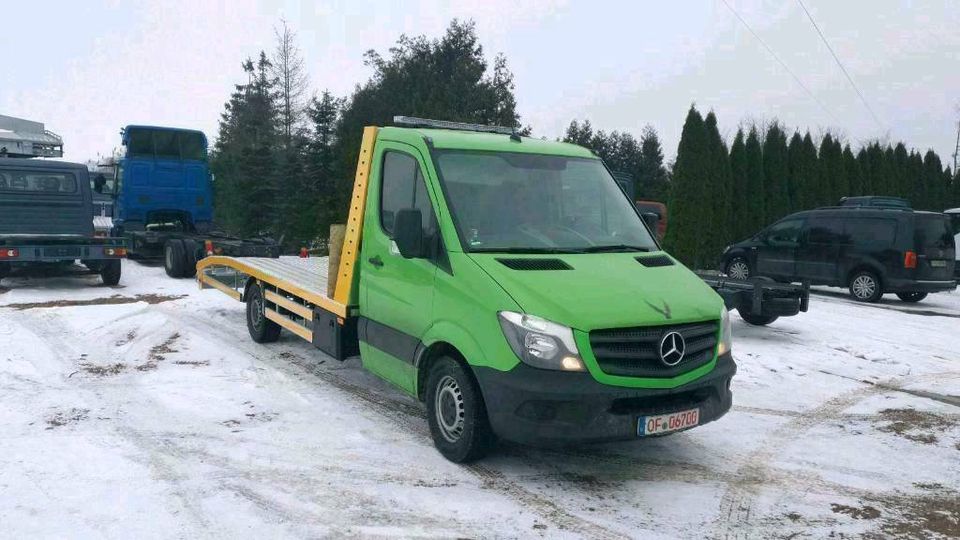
<point>865,286</point>
<point>110,272</point>
<point>262,329</point>
<point>174,258</point>
<point>911,297</point>
<point>456,413</point>
<point>738,268</point>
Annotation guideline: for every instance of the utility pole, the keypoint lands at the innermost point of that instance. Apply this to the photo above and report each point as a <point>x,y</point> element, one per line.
<point>956,149</point>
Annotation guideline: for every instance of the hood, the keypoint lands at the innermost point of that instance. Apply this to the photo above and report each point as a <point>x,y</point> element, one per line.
<point>605,290</point>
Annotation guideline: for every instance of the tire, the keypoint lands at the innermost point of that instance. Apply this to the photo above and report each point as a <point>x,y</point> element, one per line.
<point>756,320</point>
<point>190,253</point>
<point>110,272</point>
<point>262,329</point>
<point>738,268</point>
<point>865,286</point>
<point>174,258</point>
<point>912,297</point>
<point>456,413</point>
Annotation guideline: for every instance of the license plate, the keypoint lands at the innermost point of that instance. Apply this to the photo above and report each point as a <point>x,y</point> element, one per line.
<point>665,423</point>
<point>938,264</point>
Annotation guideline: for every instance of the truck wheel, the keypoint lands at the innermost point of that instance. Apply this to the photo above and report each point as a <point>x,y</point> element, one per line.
<point>865,286</point>
<point>756,320</point>
<point>110,272</point>
<point>738,268</point>
<point>911,297</point>
<point>262,329</point>
<point>174,258</point>
<point>456,413</point>
<point>190,252</point>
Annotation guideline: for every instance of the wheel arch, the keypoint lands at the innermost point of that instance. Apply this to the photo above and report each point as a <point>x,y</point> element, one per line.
<point>867,266</point>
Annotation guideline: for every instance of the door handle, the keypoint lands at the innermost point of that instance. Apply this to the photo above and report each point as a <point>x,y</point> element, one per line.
<point>376,261</point>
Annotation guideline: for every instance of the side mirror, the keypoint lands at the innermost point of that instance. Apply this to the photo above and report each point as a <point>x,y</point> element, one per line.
<point>651,219</point>
<point>408,233</point>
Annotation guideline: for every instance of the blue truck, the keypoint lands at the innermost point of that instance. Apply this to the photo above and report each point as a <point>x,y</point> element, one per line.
<point>163,193</point>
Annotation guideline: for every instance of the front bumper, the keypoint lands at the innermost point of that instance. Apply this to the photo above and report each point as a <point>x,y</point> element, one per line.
<point>542,407</point>
<point>54,252</point>
<point>911,285</point>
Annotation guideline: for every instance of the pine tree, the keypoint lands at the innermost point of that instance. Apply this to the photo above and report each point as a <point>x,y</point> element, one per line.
<point>688,198</point>
<point>755,209</point>
<point>739,192</point>
<point>775,174</point>
<point>851,168</point>
<point>718,186</point>
<point>795,171</point>
<point>652,181</point>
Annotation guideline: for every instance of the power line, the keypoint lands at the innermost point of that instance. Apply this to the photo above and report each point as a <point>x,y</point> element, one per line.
<point>840,64</point>
<point>782,63</point>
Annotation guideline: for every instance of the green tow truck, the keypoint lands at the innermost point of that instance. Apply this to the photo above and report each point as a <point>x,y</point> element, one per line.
<point>507,282</point>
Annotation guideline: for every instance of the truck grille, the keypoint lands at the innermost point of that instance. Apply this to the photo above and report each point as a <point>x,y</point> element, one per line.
<point>635,352</point>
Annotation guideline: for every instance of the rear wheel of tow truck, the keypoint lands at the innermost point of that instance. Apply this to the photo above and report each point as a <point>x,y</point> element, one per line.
<point>738,268</point>
<point>110,272</point>
<point>911,297</point>
<point>756,320</point>
<point>865,286</point>
<point>174,258</point>
<point>456,413</point>
<point>262,329</point>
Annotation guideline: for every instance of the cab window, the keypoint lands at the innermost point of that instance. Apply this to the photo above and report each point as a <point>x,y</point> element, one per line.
<point>784,233</point>
<point>402,186</point>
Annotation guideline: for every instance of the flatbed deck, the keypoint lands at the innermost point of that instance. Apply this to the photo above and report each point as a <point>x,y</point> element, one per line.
<point>304,278</point>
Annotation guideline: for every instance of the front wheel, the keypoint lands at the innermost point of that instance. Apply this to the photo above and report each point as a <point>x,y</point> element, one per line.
<point>174,258</point>
<point>738,268</point>
<point>110,272</point>
<point>911,297</point>
<point>456,413</point>
<point>865,286</point>
<point>262,329</point>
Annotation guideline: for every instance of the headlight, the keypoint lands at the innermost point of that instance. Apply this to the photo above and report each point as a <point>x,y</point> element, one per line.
<point>541,343</point>
<point>726,338</point>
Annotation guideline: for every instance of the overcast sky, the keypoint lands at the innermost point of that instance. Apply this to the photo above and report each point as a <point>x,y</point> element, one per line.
<point>88,68</point>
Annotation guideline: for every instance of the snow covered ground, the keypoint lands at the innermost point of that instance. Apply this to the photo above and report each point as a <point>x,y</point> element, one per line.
<point>145,411</point>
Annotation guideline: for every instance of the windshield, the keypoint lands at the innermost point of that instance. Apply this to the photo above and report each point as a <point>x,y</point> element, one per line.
<point>513,202</point>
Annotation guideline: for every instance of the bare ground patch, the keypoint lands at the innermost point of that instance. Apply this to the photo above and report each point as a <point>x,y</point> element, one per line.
<point>158,353</point>
<point>192,363</point>
<point>103,371</point>
<point>109,300</point>
<point>63,418</point>
<point>914,425</point>
<point>862,512</point>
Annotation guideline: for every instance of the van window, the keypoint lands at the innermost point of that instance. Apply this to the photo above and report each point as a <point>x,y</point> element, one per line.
<point>871,231</point>
<point>824,230</point>
<point>933,231</point>
<point>784,233</point>
<point>402,186</point>
<point>37,182</point>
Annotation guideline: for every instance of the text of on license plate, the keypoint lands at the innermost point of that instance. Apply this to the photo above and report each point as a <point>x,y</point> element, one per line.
<point>665,423</point>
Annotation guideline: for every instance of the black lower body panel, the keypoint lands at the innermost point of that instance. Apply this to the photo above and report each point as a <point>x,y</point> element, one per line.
<point>542,407</point>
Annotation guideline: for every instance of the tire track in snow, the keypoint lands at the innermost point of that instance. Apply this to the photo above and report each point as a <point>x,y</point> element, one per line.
<point>735,515</point>
<point>411,418</point>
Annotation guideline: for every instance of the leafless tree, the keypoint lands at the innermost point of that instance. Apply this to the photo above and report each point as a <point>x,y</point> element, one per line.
<point>292,81</point>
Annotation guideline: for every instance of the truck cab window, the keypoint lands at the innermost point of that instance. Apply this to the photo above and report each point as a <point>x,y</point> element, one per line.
<point>402,186</point>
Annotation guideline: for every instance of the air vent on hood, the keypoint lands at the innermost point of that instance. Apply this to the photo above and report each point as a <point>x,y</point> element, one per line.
<point>535,264</point>
<point>655,260</point>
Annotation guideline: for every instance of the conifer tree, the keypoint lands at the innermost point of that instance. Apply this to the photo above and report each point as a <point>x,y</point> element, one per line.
<point>739,193</point>
<point>775,174</point>
<point>688,198</point>
<point>754,216</point>
<point>717,187</point>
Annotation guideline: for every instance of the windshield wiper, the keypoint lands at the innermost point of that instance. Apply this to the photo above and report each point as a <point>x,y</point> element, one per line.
<point>526,250</point>
<point>614,248</point>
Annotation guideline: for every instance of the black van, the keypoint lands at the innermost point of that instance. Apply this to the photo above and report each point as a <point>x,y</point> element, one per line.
<point>868,249</point>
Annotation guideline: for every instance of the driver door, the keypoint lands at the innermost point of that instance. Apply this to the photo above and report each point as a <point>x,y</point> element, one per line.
<point>777,252</point>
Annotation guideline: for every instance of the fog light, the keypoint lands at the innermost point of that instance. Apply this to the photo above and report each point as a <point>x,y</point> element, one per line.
<point>570,363</point>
